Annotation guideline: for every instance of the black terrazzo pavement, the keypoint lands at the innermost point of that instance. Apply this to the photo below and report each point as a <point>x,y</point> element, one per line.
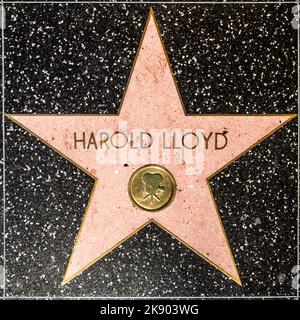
<point>76,59</point>
<point>1,183</point>
<point>140,1</point>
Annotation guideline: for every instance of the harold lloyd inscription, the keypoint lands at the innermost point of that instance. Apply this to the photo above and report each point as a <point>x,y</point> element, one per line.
<point>141,146</point>
<point>144,140</point>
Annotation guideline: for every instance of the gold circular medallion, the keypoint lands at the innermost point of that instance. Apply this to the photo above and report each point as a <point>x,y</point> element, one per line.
<point>152,187</point>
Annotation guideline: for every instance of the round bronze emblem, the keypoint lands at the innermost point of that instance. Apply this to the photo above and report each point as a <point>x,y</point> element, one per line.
<point>152,187</point>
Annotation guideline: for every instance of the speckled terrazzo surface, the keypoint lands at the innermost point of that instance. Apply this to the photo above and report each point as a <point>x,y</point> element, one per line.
<point>76,59</point>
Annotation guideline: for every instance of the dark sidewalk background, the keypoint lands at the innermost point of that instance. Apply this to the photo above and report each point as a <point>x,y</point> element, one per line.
<point>237,58</point>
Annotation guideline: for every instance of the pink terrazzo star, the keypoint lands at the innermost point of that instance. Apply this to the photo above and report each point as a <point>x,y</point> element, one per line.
<point>151,101</point>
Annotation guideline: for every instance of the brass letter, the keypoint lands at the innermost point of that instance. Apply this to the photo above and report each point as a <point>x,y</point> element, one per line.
<point>79,140</point>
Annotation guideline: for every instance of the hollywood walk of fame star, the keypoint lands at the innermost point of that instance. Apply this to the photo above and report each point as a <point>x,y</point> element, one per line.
<point>151,100</point>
